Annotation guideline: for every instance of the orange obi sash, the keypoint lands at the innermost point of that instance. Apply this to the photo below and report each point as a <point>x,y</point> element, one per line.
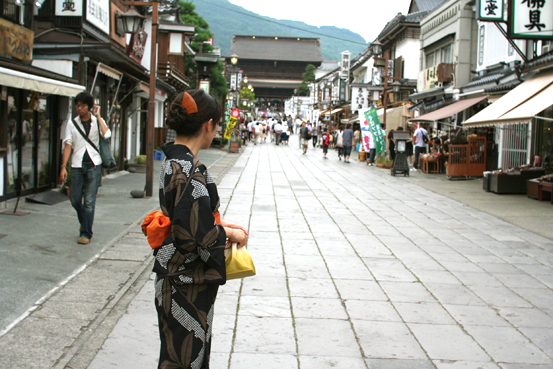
<point>157,226</point>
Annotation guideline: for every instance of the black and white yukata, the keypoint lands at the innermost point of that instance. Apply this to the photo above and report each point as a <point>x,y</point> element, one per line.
<point>190,264</point>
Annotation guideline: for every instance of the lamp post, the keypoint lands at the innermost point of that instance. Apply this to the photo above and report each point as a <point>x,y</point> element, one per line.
<point>133,19</point>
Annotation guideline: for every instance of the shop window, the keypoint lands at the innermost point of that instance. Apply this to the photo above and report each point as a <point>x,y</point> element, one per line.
<point>446,54</point>
<point>430,60</point>
<point>9,10</point>
<point>175,43</point>
<point>43,135</point>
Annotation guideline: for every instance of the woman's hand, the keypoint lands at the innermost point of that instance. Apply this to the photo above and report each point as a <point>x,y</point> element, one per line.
<point>233,226</point>
<point>237,235</point>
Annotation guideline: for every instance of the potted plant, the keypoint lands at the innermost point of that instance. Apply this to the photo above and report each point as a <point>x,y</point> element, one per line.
<point>380,161</point>
<point>388,163</point>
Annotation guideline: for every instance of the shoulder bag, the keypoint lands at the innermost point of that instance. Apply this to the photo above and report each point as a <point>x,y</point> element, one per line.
<point>108,161</point>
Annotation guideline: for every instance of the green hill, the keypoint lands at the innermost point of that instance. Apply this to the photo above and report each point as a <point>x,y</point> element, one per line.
<point>224,23</point>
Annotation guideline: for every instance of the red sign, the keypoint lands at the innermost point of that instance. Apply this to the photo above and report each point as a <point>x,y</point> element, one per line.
<point>210,41</point>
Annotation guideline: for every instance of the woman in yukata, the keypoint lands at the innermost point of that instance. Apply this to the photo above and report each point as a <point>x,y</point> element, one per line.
<point>190,263</point>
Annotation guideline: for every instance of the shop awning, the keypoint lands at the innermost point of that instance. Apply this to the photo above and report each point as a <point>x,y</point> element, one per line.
<point>12,78</point>
<point>109,71</point>
<point>449,110</point>
<point>520,105</point>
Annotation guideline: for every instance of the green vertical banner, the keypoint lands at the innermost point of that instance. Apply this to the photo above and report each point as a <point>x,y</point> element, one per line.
<point>376,130</point>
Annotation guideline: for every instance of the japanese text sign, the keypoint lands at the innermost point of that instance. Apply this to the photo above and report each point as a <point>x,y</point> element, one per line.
<point>69,8</point>
<point>531,19</point>
<point>491,10</point>
<point>16,41</point>
<point>374,125</point>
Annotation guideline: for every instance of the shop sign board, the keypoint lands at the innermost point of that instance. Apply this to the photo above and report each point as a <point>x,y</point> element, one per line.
<point>97,14</point>
<point>428,79</point>
<point>69,8</point>
<point>491,10</point>
<point>233,119</point>
<point>16,41</point>
<point>137,45</point>
<point>531,19</point>
<point>345,64</point>
<point>359,98</point>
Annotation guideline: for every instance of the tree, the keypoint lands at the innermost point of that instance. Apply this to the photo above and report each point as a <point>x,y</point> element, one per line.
<point>218,82</point>
<point>308,77</point>
<point>246,94</point>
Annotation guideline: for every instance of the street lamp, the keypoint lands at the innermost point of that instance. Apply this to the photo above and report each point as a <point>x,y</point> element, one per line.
<point>133,19</point>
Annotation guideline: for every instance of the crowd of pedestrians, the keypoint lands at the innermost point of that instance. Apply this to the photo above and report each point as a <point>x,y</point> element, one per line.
<point>341,137</point>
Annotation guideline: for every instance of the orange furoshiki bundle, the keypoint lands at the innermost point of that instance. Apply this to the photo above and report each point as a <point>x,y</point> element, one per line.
<point>157,226</point>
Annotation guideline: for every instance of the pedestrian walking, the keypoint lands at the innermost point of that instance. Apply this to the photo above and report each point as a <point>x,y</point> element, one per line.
<point>190,263</point>
<point>348,142</point>
<point>290,125</point>
<point>420,138</point>
<point>278,132</point>
<point>304,136</point>
<point>340,142</point>
<point>86,170</point>
<point>392,144</point>
<point>315,133</point>
<point>257,128</point>
<point>250,130</point>
<point>325,142</point>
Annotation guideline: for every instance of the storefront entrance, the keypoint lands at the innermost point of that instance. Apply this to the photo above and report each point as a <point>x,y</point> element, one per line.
<point>29,137</point>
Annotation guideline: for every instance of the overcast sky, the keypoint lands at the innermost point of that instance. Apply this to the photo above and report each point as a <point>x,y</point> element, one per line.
<point>366,18</point>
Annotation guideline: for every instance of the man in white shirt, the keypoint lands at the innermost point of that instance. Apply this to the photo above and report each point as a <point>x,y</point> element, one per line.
<point>420,145</point>
<point>86,162</point>
<point>278,132</point>
<point>250,125</point>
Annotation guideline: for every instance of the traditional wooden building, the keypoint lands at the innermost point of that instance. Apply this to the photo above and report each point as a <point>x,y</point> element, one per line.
<point>274,65</point>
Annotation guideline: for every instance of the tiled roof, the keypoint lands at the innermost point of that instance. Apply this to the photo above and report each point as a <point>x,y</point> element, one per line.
<point>545,60</point>
<point>269,48</point>
<point>487,79</point>
<point>400,18</point>
<point>426,5</point>
<point>504,86</point>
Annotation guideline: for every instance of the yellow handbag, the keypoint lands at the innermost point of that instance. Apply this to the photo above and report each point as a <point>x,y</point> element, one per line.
<point>239,263</point>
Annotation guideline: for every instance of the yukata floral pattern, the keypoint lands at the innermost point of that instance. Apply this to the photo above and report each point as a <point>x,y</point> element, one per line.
<point>190,264</point>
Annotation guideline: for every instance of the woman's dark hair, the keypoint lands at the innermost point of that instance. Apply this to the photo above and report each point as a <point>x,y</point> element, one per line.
<point>189,125</point>
<point>85,98</point>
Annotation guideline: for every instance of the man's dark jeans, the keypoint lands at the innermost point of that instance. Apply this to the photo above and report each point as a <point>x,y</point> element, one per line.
<point>84,187</point>
<point>418,151</point>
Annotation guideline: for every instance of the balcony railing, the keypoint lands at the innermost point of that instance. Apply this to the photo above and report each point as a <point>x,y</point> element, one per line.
<point>170,74</point>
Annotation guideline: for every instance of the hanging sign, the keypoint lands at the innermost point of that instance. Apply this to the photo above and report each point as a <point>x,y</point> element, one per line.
<point>490,10</point>
<point>345,64</point>
<point>232,123</point>
<point>531,19</point>
<point>69,8</point>
<point>359,98</point>
<point>16,41</point>
<point>374,125</point>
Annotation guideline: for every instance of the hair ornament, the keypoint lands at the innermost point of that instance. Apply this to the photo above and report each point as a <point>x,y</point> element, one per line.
<point>189,104</point>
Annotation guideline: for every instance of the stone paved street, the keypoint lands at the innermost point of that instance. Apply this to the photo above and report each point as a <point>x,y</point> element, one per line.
<point>358,269</point>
